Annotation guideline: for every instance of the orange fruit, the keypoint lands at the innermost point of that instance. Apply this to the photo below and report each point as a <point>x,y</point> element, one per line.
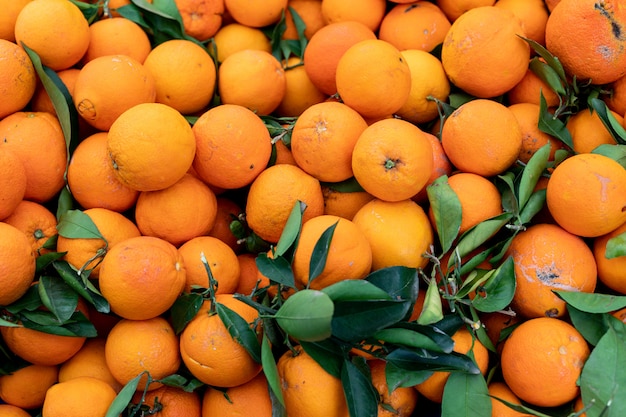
<point>90,360</point>
<point>494,324</point>
<point>78,397</point>
<point>109,85</point>
<point>227,211</point>
<point>92,180</point>
<point>419,25</point>
<point>248,273</point>
<point>7,410</point>
<point>392,159</point>
<point>368,12</point>
<point>141,143</point>
<point>185,74</point>
<point>529,90</point>
<point>210,352</point>
<point>233,146</point>
<point>255,14</point>
<point>597,55</point>
<point>542,360</point>
<point>610,271</point>
<point>464,343</point>
<point>274,193</point>
<point>500,390</point>
<point>533,138</point>
<point>135,346</point>
<point>177,213</point>
<point>586,195</point>
<point>251,398</point>
<point>441,166</point>
<point>26,387</point>
<point>323,139</point>
<point>10,10</point>
<point>344,203</point>
<point>56,30</point>
<point>399,232</point>
<point>17,264</point>
<point>201,19</point>
<point>169,401</point>
<point>261,73</point>
<point>588,132</point>
<point>327,46</point>
<point>547,258</point>
<point>235,37</point>
<point>86,253</point>
<point>26,134</point>
<point>373,78</point>
<point>41,100</point>
<point>283,153</point>
<point>482,137</point>
<point>36,221</point>
<point>455,8</point>
<point>533,14</point>
<point>310,11</point>
<point>402,400</point>
<point>616,100</point>
<point>620,314</point>
<point>300,378</point>
<point>220,258</point>
<point>349,254</point>
<point>300,92</point>
<point>17,79</point>
<point>483,53</point>
<point>12,182</point>
<point>551,4</point>
<point>117,36</point>
<point>141,277</point>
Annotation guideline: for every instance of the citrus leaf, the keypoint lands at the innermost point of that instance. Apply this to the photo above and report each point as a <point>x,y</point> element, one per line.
<point>444,342</point>
<point>592,302</point>
<point>90,11</point>
<point>270,370</point>
<point>465,395</point>
<point>553,125</point>
<point>615,152</point>
<point>354,321</point>
<point>591,325</point>
<point>446,209</point>
<point>355,289</point>
<point>292,229</point>
<point>184,309</point>
<point>509,196</point>
<point>58,297</point>
<point>550,60</point>
<point>548,75</point>
<point>424,360</point>
<point>480,233</point>
<point>609,121</point>
<point>277,269</point>
<point>406,337</point>
<point>498,290</point>
<point>350,185</point>
<point>432,311</point>
<point>400,282</point>
<point>75,224</point>
<point>616,246</point>
<point>328,354</point>
<point>179,381</point>
<point>124,397</point>
<point>77,326</point>
<point>398,377</point>
<point>306,315</point>
<point>320,253</point>
<point>240,331</point>
<point>82,286</point>
<point>533,206</point>
<point>361,396</point>
<point>532,172</point>
<point>521,408</point>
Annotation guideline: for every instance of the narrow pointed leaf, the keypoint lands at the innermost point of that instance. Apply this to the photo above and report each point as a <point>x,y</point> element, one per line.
<point>406,337</point>
<point>613,151</point>
<point>592,302</point>
<point>124,397</point>
<point>399,377</point>
<point>292,229</point>
<point>614,127</point>
<point>75,224</point>
<point>277,269</point>
<point>240,331</point>
<point>551,60</point>
<point>533,206</point>
<point>552,125</point>
<point>184,309</point>
<point>361,396</point>
<point>270,370</point>
<point>328,354</point>
<point>320,253</point>
<point>58,297</point>
<point>424,360</point>
<point>355,289</point>
<point>532,172</point>
<point>446,211</point>
<point>432,310</point>
<point>497,292</point>
<point>481,233</point>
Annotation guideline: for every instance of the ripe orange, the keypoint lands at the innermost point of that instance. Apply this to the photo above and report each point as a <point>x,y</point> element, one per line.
<point>248,273</point>
<point>300,92</point>
<point>392,159</point>
<point>274,193</point>
<point>134,346</point>
<point>7,410</point>
<point>251,398</point>
<point>17,264</point>
<point>344,203</point>
<point>201,19</point>
<point>78,397</point>
<point>533,14</point>
<point>26,387</point>
<point>483,53</point>
<point>586,195</point>
<point>117,36</point>
<point>255,14</point>
<point>402,400</point>
<point>17,78</point>
<point>610,271</point>
<point>368,12</point>
<point>10,10</point>
<point>310,11</point>
<point>227,211</point>
<point>56,30</point>
<point>90,360</point>
<point>235,37</point>
<point>441,166</point>
<point>12,182</point>
<point>482,136</point>
<point>588,132</point>
<point>141,143</point>
<point>323,139</point>
<point>527,115</point>
<point>597,55</point>
<point>541,361</point>
<point>495,322</point>
<point>41,100</point>
<point>620,314</point>
<point>399,232</point>
<point>455,8</point>
<point>210,352</point>
<point>500,390</point>
<point>141,277</point>
<point>547,258</point>
<point>529,90</point>
<point>36,221</point>
<point>233,146</point>
<point>169,401</point>
<point>616,100</point>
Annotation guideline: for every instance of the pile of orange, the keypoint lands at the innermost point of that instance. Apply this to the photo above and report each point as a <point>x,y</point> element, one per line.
<point>187,144</point>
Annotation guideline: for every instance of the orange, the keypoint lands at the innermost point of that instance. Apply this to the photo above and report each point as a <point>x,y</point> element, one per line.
<point>251,398</point>
<point>428,82</point>
<point>483,53</point>
<point>327,46</point>
<point>417,25</point>
<point>344,203</point>
<point>113,5</point>
<point>597,55</point>
<point>109,85</point>
<point>220,258</point>
<point>56,30</point>
<point>78,397</point>
<point>90,360</point>
<point>283,153</point>
<point>500,390</point>
<point>17,79</point>
<point>300,380</point>
<point>310,11</point>
<point>441,166</point>
<point>41,100</point>
<point>542,360</point>
<point>135,346</point>
<point>551,4</point>
<point>141,277</point>
<point>610,271</point>
<point>12,182</point>
<point>588,132</point>
<point>177,213</point>
<point>616,100</point>
<point>27,386</point>
<point>586,195</point>
<point>547,258</point>
<point>620,314</point>
<point>300,92</point>
<point>88,253</point>
<point>235,37</point>
<point>141,143</point>
<point>261,73</point>
<point>17,264</point>
<point>482,137</point>
<point>274,193</point>
<point>533,14</point>
<point>233,146</point>
<point>495,323</point>
<point>117,36</point>
<point>455,8</point>
<point>248,273</point>
<point>7,410</point>
<point>402,400</point>
<point>185,75</point>
<point>255,14</point>
<point>210,352</point>
<point>527,115</point>
<point>227,211</point>
<point>36,221</point>
<point>349,255</point>
<point>10,10</point>
<point>399,232</point>
<point>368,12</point>
<point>529,90</point>
<point>201,19</point>
<point>92,180</point>
<point>373,78</point>
<point>392,159</point>
<point>26,134</point>
<point>169,401</point>
<point>323,139</point>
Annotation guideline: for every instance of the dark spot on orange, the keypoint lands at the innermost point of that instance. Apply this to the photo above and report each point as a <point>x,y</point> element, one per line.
<point>552,313</point>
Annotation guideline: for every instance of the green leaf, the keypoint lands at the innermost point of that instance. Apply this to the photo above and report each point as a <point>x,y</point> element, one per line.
<point>532,172</point>
<point>446,209</point>
<point>77,326</point>
<point>550,60</point>
<point>444,342</point>
<point>398,377</point>
<point>424,360</point>
<point>320,253</point>
<point>292,229</point>
<point>548,75</point>
<point>277,269</point>
<point>592,302</point>
<point>509,196</point>
<point>466,395</point>
<point>407,337</point>
<point>479,234</point>
<point>162,18</point>
<point>58,297</point>
<point>354,290</point>
<point>400,282</point>
<point>75,224</point>
<point>614,127</point>
<point>179,381</point>
<point>591,325</point>
<point>328,354</point>
<point>270,370</point>
<point>184,309</point>
<point>240,331</point>
<point>361,396</point>
<point>82,286</point>
<point>354,321</point>
<point>553,125</point>
<point>124,397</point>
<point>306,315</point>
<point>90,11</point>
<point>522,408</point>
<point>533,206</point>
<point>615,152</point>
<point>432,311</point>
<point>498,290</point>
<point>350,185</point>
<point>616,246</point>
<point>65,202</point>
